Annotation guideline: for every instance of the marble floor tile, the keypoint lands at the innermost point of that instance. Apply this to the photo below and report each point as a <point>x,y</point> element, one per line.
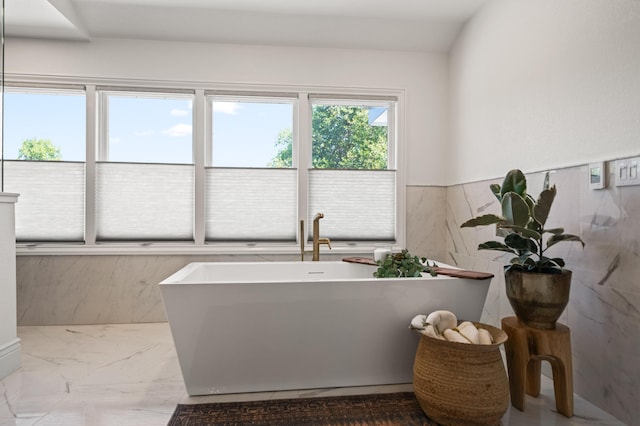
<point>128,374</point>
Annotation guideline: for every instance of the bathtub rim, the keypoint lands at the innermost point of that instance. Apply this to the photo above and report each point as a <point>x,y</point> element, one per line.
<point>178,277</point>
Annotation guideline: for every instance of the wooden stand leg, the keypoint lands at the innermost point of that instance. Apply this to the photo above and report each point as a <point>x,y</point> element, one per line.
<point>517,354</point>
<point>533,377</point>
<point>525,349</point>
<point>563,384</point>
<point>555,347</point>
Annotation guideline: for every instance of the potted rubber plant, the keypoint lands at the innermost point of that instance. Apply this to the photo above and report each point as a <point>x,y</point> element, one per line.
<point>537,285</point>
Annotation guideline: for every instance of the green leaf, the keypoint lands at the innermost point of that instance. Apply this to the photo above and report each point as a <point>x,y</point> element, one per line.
<point>525,232</point>
<point>556,238</point>
<point>530,202</point>
<point>515,209</point>
<point>520,260</point>
<point>550,265</point>
<point>517,242</point>
<point>514,181</point>
<point>543,205</point>
<point>487,219</point>
<point>495,245</point>
<point>534,226</point>
<point>495,188</point>
<point>555,230</point>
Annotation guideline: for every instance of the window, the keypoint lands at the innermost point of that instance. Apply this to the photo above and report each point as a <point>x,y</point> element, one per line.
<point>197,167</point>
<point>251,190</point>
<point>145,172</point>
<point>44,152</point>
<point>353,178</point>
<point>349,136</point>
<point>250,132</point>
<point>147,128</point>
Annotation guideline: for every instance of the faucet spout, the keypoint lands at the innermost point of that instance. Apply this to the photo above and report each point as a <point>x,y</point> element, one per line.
<point>316,237</point>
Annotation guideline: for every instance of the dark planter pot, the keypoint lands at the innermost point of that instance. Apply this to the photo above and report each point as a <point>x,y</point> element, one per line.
<point>538,299</point>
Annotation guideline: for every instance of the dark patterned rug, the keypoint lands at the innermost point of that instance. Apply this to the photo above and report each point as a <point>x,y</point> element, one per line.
<point>391,409</point>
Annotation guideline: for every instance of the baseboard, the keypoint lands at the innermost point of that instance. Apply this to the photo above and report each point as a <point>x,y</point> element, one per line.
<point>10,357</point>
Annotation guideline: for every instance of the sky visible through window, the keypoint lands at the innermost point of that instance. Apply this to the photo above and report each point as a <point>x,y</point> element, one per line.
<point>244,133</point>
<point>59,118</point>
<point>150,130</point>
<point>146,129</point>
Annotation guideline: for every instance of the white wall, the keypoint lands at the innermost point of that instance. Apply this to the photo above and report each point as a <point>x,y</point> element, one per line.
<point>423,77</point>
<point>545,84</point>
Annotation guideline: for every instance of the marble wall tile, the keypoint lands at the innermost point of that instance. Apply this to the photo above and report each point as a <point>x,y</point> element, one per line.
<point>628,276</point>
<point>600,221</point>
<point>54,290</point>
<point>426,221</point>
<point>603,310</point>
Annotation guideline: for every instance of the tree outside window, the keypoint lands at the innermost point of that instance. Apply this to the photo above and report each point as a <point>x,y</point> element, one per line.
<point>343,138</point>
<point>39,150</point>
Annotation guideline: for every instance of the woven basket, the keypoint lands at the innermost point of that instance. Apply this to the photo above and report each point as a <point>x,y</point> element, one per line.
<point>461,384</point>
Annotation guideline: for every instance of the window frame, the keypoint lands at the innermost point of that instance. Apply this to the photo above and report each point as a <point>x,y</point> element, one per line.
<point>209,96</point>
<point>201,116</point>
<point>392,158</point>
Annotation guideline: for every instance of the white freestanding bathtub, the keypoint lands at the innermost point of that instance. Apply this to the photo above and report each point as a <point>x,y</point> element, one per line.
<point>265,326</point>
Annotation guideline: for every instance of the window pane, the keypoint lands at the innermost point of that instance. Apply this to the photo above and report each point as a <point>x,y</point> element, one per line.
<point>144,202</point>
<point>252,133</point>
<point>349,137</point>
<point>147,128</point>
<point>357,204</point>
<point>251,204</point>
<point>51,202</point>
<point>44,125</point>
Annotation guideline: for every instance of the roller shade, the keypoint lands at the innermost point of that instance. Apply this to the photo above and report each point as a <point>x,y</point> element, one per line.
<point>148,202</point>
<point>357,204</point>
<point>51,203</point>
<point>247,204</point>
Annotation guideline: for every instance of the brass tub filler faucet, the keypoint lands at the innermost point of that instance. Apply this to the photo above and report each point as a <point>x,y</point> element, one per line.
<point>316,238</point>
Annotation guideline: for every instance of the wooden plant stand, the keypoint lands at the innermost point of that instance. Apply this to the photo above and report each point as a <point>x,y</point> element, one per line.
<point>525,349</point>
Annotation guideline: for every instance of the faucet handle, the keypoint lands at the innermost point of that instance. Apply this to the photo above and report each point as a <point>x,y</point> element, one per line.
<point>325,241</point>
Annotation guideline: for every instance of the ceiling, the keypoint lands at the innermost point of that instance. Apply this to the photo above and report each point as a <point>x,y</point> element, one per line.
<point>414,25</point>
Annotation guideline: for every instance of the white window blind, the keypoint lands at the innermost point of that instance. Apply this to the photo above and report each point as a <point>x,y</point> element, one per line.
<point>251,204</point>
<point>357,204</point>
<point>144,201</point>
<point>51,203</point>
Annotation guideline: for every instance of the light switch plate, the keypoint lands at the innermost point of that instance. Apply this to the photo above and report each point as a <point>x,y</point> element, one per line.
<point>597,175</point>
<point>627,172</point>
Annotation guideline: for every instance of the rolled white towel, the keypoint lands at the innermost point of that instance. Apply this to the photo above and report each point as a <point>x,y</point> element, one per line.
<point>418,322</point>
<point>430,331</point>
<point>453,336</point>
<point>485,337</point>
<point>469,331</point>
<point>442,320</point>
